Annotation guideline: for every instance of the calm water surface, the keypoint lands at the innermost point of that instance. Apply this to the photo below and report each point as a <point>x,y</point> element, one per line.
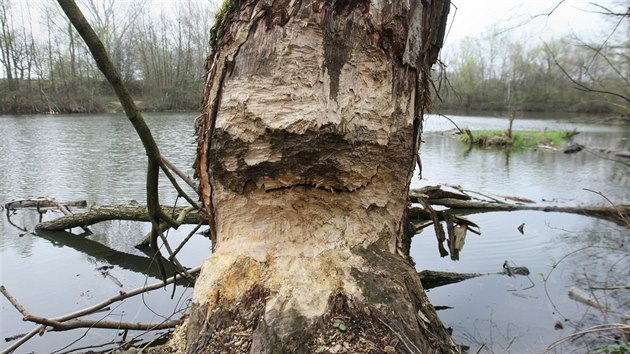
<point>100,159</point>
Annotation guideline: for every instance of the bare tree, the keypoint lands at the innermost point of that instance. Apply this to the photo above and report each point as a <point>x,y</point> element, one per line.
<point>6,42</point>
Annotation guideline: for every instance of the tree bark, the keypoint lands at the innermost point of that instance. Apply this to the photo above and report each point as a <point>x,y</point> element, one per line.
<point>307,145</point>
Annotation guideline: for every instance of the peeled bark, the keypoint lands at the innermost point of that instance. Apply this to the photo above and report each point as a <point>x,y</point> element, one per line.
<point>306,150</point>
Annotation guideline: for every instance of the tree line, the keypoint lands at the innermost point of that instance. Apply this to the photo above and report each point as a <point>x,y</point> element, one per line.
<point>159,48</point>
<point>496,72</point>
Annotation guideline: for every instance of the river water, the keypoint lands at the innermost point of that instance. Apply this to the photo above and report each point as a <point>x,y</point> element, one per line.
<point>99,158</point>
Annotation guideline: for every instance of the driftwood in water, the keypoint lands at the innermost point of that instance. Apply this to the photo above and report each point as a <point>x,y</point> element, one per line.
<point>615,214</point>
<point>43,203</point>
<point>96,214</point>
<point>137,212</point>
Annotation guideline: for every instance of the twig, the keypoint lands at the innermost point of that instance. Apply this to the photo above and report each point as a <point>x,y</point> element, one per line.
<point>179,173</point>
<point>609,287</point>
<point>401,338</point>
<point>619,212</point>
<point>14,302</point>
<point>64,209</point>
<point>174,259</point>
<point>23,340</point>
<point>190,234</point>
<point>579,85</point>
<point>532,18</point>
<point>452,122</point>
<point>179,189</point>
<point>74,324</point>
<point>554,266</point>
<point>594,329</point>
<point>14,337</point>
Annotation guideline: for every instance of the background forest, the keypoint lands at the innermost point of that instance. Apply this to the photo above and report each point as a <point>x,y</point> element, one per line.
<point>160,48</point>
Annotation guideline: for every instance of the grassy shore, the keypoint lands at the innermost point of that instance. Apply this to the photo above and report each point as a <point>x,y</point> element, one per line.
<point>518,139</point>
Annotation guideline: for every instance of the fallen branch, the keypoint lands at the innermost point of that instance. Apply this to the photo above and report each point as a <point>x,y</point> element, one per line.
<point>40,203</point>
<point>609,287</point>
<point>133,212</point>
<point>433,196</point>
<point>86,311</point>
<point>615,214</point>
<point>73,324</point>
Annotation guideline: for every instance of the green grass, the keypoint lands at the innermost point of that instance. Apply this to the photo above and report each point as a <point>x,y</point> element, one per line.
<point>519,139</point>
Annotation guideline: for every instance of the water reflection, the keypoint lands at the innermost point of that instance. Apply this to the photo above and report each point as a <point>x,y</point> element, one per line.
<point>100,159</point>
<point>138,264</point>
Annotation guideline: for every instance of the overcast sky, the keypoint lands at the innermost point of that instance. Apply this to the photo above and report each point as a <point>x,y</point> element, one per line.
<point>474,17</point>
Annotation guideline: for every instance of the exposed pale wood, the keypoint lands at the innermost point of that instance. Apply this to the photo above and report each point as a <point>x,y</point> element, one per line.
<point>308,142</point>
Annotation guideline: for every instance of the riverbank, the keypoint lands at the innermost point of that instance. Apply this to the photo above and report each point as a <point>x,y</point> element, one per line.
<point>43,98</point>
<point>18,104</point>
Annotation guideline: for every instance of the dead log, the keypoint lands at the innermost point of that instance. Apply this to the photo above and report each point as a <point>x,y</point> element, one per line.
<point>615,214</point>
<point>43,203</point>
<point>137,212</point>
<point>96,214</point>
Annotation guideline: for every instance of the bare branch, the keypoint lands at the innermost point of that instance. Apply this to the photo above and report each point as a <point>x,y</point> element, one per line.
<point>88,310</point>
<point>532,18</point>
<point>580,86</point>
<point>608,12</point>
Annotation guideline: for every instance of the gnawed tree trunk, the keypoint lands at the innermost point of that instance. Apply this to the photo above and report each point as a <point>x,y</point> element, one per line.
<point>307,146</point>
